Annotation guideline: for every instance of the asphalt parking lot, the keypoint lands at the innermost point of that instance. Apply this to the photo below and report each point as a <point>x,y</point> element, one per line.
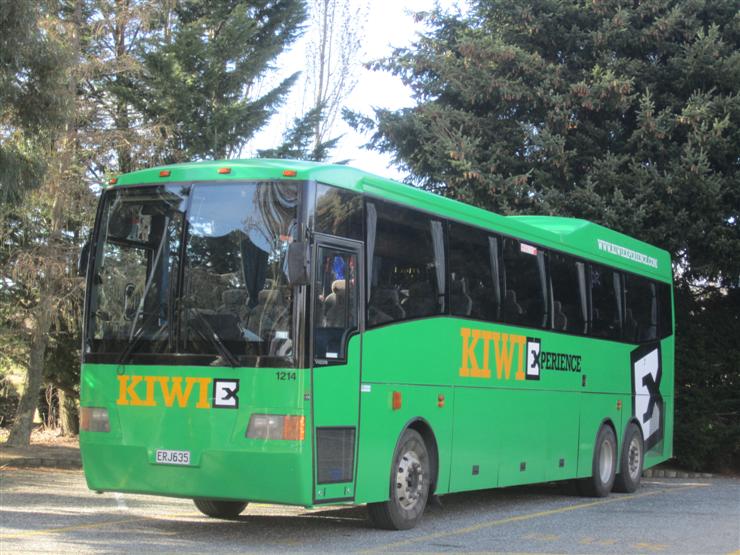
<point>53,511</point>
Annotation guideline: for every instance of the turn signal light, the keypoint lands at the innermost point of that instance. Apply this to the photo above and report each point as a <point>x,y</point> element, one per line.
<point>290,173</point>
<point>276,426</point>
<point>294,428</point>
<point>94,419</point>
<point>224,170</point>
<point>396,403</point>
<point>113,181</point>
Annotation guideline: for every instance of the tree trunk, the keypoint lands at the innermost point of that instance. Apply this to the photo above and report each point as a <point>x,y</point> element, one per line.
<point>20,433</point>
<point>68,420</point>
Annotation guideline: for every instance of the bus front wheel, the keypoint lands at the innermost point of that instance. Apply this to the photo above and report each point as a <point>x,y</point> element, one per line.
<point>630,463</point>
<point>603,467</point>
<point>409,486</point>
<point>220,509</point>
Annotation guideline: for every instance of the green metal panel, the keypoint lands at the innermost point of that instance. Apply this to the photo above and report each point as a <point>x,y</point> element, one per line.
<point>225,464</point>
<point>477,438</point>
<point>381,426</point>
<point>500,422</point>
<point>336,404</point>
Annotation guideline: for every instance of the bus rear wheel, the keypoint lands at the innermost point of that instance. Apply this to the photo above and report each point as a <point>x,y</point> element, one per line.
<point>409,486</point>
<point>603,467</point>
<point>630,463</point>
<point>220,509</point>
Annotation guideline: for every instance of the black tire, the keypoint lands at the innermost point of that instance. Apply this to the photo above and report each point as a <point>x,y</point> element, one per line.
<point>603,467</point>
<point>220,509</point>
<point>630,463</point>
<point>410,480</point>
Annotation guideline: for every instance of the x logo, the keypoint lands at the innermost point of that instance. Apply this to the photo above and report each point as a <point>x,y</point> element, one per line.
<point>228,393</point>
<point>535,359</point>
<point>652,387</point>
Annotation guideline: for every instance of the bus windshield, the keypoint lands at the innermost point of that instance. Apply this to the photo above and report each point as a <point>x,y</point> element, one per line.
<point>194,269</point>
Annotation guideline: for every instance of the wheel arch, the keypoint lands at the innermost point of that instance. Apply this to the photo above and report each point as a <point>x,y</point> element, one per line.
<point>607,421</point>
<point>424,429</point>
<point>636,422</point>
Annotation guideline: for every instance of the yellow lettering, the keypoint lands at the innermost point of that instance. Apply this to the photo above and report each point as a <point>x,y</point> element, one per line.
<point>487,336</point>
<point>204,389</point>
<point>469,361</point>
<point>504,355</point>
<point>126,390</point>
<point>521,341</point>
<point>175,392</point>
<point>149,400</point>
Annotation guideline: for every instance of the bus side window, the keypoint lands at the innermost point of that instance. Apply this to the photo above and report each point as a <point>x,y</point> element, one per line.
<point>473,275</point>
<point>570,309</point>
<point>665,311</point>
<point>525,299</point>
<point>641,313</point>
<point>406,267</point>
<point>606,303</point>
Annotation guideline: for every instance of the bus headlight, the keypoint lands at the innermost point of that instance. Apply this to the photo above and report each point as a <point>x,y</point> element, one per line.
<point>276,426</point>
<point>94,419</point>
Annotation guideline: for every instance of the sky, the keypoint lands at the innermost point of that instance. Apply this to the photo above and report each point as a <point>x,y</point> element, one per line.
<point>388,24</point>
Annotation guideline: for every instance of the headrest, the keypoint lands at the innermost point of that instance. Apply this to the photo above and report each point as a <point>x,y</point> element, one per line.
<point>233,297</point>
<point>338,286</point>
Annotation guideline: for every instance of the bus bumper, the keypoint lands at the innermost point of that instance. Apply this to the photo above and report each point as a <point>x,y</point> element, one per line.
<point>277,476</point>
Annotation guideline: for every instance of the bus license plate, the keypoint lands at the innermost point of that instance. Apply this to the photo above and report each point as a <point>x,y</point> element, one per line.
<point>168,456</point>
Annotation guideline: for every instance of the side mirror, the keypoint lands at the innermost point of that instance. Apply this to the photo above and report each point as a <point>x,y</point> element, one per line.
<point>129,303</point>
<point>84,259</point>
<point>298,263</point>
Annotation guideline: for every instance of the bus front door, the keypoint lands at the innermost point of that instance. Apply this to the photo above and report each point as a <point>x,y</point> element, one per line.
<point>336,345</point>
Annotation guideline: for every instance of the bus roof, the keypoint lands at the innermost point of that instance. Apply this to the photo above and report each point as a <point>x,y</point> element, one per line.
<point>575,236</point>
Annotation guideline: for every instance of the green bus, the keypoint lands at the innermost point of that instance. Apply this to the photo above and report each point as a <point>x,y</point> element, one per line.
<point>306,334</point>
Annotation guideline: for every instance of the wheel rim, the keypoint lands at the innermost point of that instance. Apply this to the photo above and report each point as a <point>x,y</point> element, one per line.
<point>634,456</point>
<point>606,462</point>
<point>409,480</point>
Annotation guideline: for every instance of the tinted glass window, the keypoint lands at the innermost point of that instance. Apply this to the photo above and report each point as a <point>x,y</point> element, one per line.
<point>134,279</point>
<point>525,291</point>
<point>606,303</point>
<point>473,273</point>
<point>405,263</point>
<point>236,293</point>
<point>338,212</point>
<point>570,304</point>
<point>641,312</point>
<point>665,310</point>
<point>335,302</point>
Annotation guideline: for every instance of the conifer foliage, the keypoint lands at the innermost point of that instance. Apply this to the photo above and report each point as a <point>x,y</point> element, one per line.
<point>203,71</point>
<point>627,114</point>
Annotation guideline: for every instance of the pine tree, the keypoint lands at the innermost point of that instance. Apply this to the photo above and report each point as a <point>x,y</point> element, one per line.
<point>299,141</point>
<point>202,74</point>
<point>624,114</point>
<point>32,61</point>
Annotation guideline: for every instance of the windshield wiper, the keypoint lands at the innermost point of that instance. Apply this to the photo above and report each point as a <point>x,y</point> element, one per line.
<point>136,337</point>
<point>211,336</point>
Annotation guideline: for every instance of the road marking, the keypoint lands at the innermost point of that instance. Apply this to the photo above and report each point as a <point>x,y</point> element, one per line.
<point>28,533</point>
<point>74,527</point>
<point>646,546</point>
<point>527,516</point>
<point>595,541</point>
<point>542,537</point>
<point>120,501</point>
